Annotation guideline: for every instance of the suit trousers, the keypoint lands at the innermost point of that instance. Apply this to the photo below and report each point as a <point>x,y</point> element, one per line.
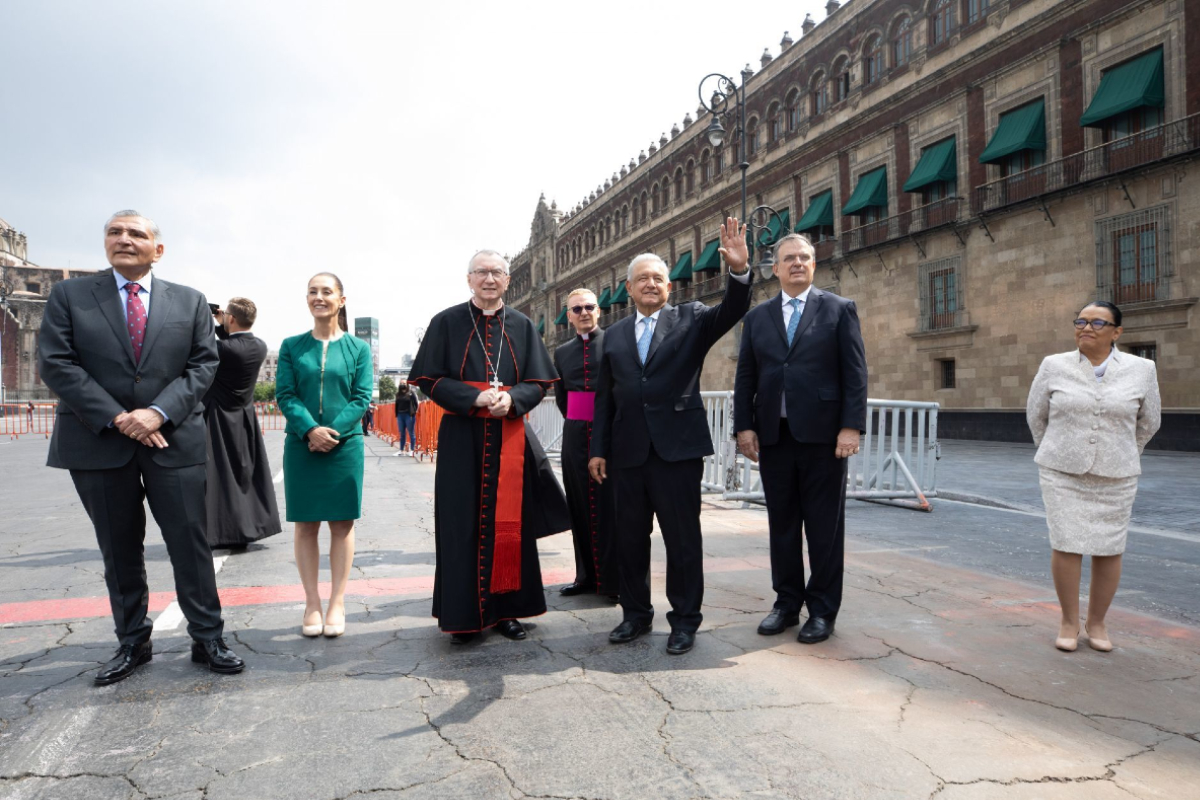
<point>114,501</point>
<point>670,490</point>
<point>805,488</point>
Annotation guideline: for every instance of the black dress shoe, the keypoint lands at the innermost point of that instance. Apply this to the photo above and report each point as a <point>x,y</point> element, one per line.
<point>778,621</point>
<point>816,629</point>
<point>572,589</point>
<point>128,658</point>
<point>511,629</point>
<point>679,642</point>
<point>627,631</point>
<point>217,656</point>
<point>463,638</point>
<point>614,599</point>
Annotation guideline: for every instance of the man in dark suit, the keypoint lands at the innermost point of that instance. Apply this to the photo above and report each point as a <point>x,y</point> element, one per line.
<point>240,496</point>
<point>130,358</point>
<point>650,427</point>
<point>800,399</point>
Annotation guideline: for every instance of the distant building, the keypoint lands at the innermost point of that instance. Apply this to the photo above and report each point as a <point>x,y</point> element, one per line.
<point>25,287</point>
<point>367,329</point>
<point>266,373</point>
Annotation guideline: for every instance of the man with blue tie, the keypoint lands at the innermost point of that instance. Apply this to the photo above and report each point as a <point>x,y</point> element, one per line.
<point>800,403</point>
<point>130,357</point>
<point>651,429</point>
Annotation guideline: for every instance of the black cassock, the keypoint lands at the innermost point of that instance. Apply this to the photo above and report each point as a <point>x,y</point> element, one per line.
<point>592,505</point>
<point>468,463</point>
<point>240,497</point>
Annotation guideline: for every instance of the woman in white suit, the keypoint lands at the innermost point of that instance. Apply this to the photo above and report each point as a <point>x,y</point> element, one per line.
<point>1091,412</point>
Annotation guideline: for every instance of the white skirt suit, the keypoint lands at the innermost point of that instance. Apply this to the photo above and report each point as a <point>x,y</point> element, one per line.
<point>1090,426</point>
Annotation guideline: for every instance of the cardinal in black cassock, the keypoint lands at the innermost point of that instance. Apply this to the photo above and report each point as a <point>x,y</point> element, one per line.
<point>591,504</point>
<point>494,492</point>
<point>240,495</point>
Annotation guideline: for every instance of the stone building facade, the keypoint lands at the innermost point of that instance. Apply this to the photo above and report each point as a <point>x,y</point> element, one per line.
<point>25,288</point>
<point>974,172</point>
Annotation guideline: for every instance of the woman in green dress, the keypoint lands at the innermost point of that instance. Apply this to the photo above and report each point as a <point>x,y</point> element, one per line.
<point>323,386</point>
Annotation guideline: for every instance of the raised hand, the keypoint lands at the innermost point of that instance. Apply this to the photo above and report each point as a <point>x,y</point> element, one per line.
<point>733,245</point>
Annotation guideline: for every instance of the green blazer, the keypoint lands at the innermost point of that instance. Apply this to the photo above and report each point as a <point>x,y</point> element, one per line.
<point>336,398</point>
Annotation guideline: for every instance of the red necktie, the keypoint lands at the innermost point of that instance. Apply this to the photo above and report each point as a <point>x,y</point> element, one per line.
<point>135,315</point>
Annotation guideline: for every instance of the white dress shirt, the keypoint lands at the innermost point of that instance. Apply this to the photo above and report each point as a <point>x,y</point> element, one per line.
<point>786,300</point>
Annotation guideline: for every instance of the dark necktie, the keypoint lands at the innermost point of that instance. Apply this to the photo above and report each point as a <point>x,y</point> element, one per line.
<point>135,315</point>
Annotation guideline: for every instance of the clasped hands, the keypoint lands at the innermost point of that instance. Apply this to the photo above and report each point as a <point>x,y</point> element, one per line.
<point>141,424</point>
<point>322,439</point>
<point>847,444</point>
<point>497,403</point>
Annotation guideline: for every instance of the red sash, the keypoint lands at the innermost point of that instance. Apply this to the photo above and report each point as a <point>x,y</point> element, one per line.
<point>510,491</point>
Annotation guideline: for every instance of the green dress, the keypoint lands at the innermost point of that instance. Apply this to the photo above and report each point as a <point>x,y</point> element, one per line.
<point>330,388</point>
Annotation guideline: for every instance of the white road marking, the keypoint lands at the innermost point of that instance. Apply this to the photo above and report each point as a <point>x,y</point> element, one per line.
<point>896,550</point>
<point>1180,535</point>
<point>278,476</point>
<point>54,752</point>
<point>172,615</point>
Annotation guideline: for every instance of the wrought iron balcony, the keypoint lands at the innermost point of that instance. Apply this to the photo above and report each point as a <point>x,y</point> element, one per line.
<point>916,220</point>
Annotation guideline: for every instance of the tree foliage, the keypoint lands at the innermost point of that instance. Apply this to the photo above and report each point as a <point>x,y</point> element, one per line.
<point>387,389</point>
<point>264,392</point>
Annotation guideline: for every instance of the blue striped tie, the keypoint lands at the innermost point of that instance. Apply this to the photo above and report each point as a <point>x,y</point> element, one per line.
<point>794,322</point>
<point>644,342</point>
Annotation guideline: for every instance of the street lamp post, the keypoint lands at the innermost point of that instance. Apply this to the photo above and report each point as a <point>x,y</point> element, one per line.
<point>5,290</point>
<point>728,99</point>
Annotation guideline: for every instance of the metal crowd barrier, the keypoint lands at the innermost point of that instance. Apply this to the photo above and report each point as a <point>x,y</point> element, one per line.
<point>896,462</point>
<point>17,419</point>
<point>547,423</point>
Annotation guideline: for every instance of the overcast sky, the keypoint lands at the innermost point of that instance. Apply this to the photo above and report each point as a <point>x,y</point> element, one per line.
<point>383,141</point>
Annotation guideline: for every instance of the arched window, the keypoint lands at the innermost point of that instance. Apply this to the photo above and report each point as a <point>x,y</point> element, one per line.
<point>718,161</point>
<point>841,79</point>
<point>625,217</point>
<point>793,110</point>
<point>775,123</point>
<point>679,185</point>
<point>819,95</point>
<point>689,177</point>
<point>636,211</point>
<point>645,207</point>
<point>872,60</point>
<point>655,200</point>
<point>941,22</point>
<point>752,137</point>
<point>705,167</point>
<point>976,9</point>
<point>902,42</point>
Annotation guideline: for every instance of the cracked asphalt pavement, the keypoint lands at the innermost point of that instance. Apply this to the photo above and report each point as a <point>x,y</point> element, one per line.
<point>941,680</point>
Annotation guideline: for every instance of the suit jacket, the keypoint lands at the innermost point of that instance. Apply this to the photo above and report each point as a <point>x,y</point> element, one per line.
<point>1082,425</point>
<point>659,403</point>
<point>86,358</point>
<point>823,372</point>
<point>241,356</point>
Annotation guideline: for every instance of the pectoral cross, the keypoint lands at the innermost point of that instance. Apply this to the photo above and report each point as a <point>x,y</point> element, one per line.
<point>495,382</point>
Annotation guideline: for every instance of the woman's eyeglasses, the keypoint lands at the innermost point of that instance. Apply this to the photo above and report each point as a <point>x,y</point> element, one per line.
<point>590,307</point>
<point>1097,324</point>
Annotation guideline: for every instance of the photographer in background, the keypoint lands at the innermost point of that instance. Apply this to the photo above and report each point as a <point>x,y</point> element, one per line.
<point>241,496</point>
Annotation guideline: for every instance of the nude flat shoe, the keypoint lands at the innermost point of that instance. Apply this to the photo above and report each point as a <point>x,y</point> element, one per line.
<point>1100,645</point>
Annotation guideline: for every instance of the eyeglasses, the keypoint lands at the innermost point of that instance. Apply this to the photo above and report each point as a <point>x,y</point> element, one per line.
<point>589,307</point>
<point>484,274</point>
<point>1097,324</point>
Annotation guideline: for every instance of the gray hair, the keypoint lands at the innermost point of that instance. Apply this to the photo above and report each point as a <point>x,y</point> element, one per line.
<point>794,237</point>
<point>471,263</point>
<point>129,212</point>
<point>645,257</point>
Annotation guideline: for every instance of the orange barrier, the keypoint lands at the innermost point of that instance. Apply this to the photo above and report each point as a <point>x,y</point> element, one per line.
<point>385,423</point>
<point>429,419</point>
<point>270,418</point>
<point>17,419</point>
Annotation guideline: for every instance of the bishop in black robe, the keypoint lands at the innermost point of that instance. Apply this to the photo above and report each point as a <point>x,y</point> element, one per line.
<point>474,586</point>
<point>592,504</point>
<point>240,496</point>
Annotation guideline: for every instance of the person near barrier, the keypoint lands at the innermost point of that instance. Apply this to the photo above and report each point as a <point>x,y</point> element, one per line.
<point>799,404</point>
<point>494,492</point>
<point>592,505</point>
<point>406,415</point>
<point>651,434</point>
<point>1091,412</point>
<point>240,496</point>
<point>130,357</point>
<point>323,386</point>
<point>368,419</point>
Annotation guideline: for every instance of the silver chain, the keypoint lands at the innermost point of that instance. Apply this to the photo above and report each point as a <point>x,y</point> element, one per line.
<point>496,366</point>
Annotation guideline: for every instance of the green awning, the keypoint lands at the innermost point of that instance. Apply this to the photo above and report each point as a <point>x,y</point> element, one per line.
<point>605,297</point>
<point>709,257</point>
<point>871,191</point>
<point>1123,88</point>
<point>542,325</point>
<point>939,162</point>
<point>819,213</point>
<point>620,296</point>
<point>770,234</point>
<point>1022,128</point>
<point>683,268</point>
<point>561,319</point>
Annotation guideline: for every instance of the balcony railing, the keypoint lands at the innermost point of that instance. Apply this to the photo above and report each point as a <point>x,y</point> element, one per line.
<point>915,220</point>
<point>1158,143</point>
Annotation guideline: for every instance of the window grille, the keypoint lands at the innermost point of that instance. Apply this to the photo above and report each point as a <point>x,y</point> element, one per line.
<point>940,286</point>
<point>1133,256</point>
